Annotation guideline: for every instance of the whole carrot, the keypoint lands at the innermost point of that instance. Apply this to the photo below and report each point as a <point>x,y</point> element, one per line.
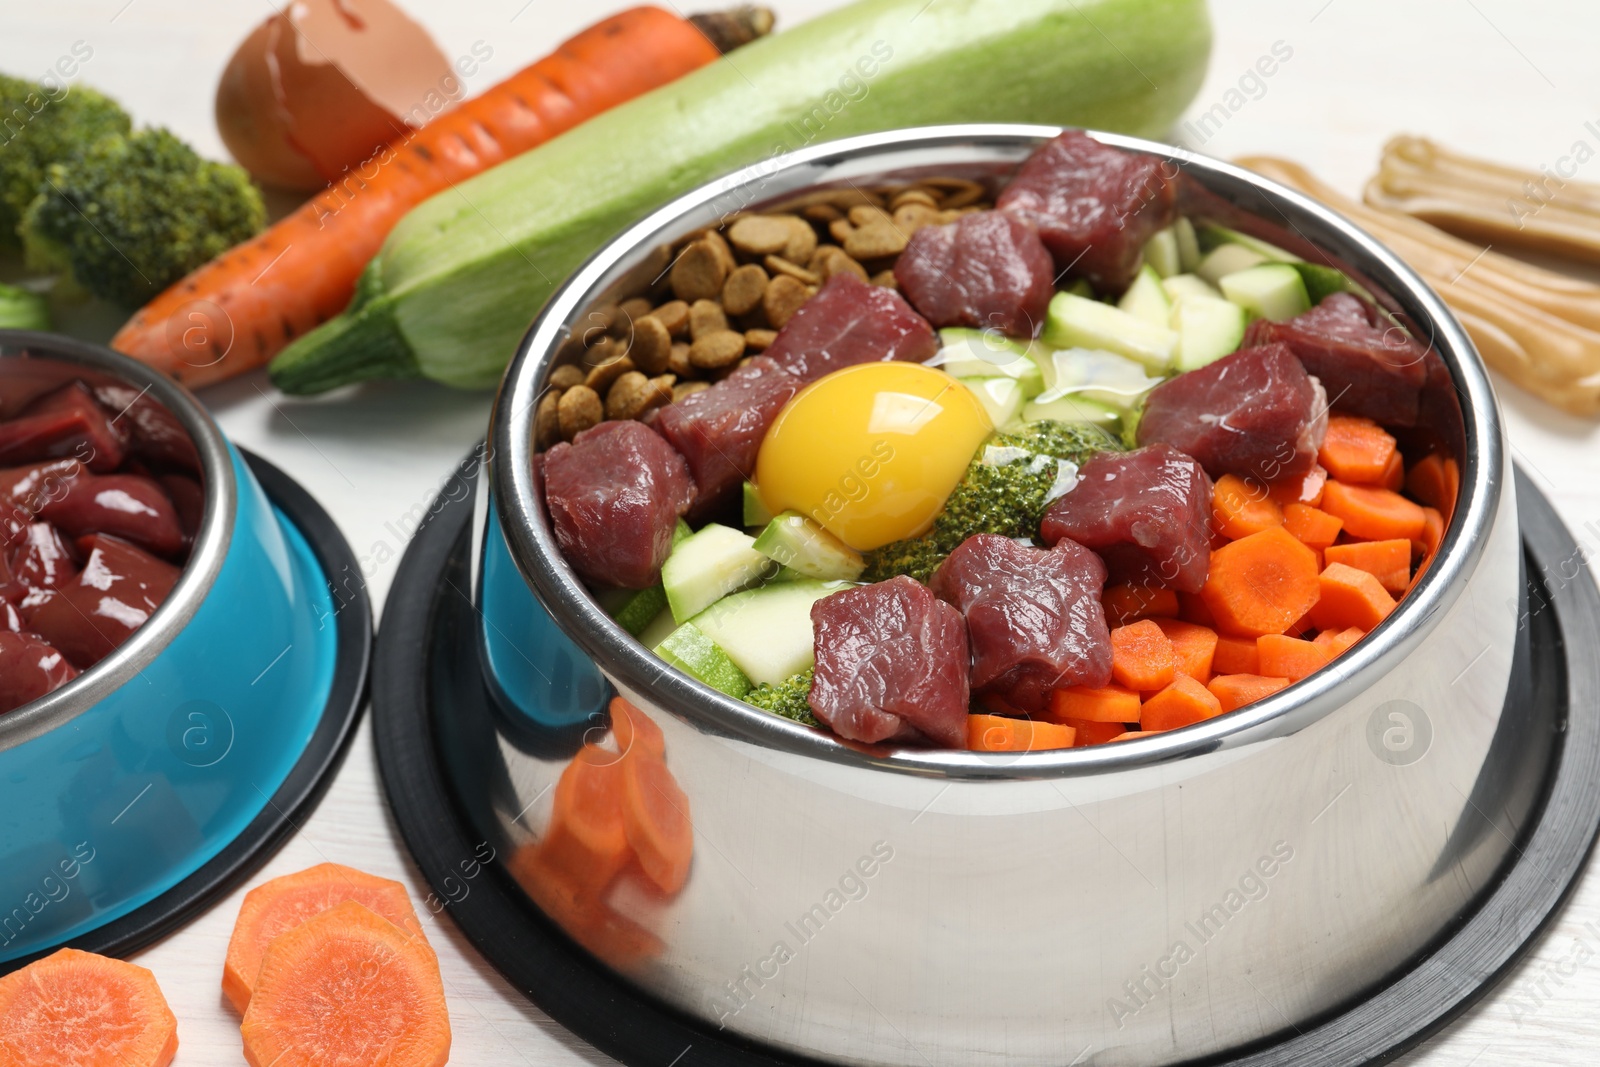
<point>236,312</point>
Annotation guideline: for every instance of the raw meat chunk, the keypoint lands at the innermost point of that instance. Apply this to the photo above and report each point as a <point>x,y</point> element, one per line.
<point>67,422</point>
<point>987,270</point>
<point>848,322</point>
<point>29,668</point>
<point>117,590</point>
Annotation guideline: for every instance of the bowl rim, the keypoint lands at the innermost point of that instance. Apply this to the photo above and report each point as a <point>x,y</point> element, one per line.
<point>211,542</point>
<point>631,666</point>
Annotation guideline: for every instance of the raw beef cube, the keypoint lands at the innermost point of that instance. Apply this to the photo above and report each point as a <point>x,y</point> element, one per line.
<point>848,322</point>
<point>987,270</point>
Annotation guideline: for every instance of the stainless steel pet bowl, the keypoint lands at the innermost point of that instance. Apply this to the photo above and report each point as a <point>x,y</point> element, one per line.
<point>1140,903</point>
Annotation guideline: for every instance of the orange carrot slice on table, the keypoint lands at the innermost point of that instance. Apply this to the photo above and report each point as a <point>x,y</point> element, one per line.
<point>77,1009</point>
<point>1240,508</point>
<point>997,733</point>
<point>1235,655</point>
<point>1373,514</point>
<point>284,903</point>
<point>1141,656</point>
<point>1234,691</point>
<point>655,817</point>
<point>1387,561</point>
<point>1435,481</point>
<point>1182,703</point>
<point>1312,527</point>
<point>1288,657</point>
<point>1350,598</point>
<point>1356,451</point>
<point>1130,603</point>
<point>1261,584</point>
<point>1335,643</point>
<point>1112,703</point>
<point>1195,647</point>
<point>347,988</point>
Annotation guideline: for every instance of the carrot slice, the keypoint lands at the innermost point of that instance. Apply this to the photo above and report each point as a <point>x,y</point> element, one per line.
<point>633,726</point>
<point>1262,583</point>
<point>1234,691</point>
<point>1312,527</point>
<point>1130,603</point>
<point>1235,655</point>
<point>1432,532</point>
<point>996,733</point>
<point>1288,657</point>
<point>1134,735</point>
<point>1394,475</point>
<point>1373,514</point>
<point>1387,561</point>
<point>655,815</point>
<point>1192,608</point>
<point>585,845</point>
<point>1435,481</point>
<point>1308,490</point>
<point>1086,733</point>
<point>1240,508</point>
<point>1356,450</point>
<point>1182,703</point>
<point>1112,703</point>
<point>1350,598</point>
<point>1195,647</point>
<point>77,1009</point>
<point>1335,643</point>
<point>282,904</point>
<point>1141,656</point>
<point>347,987</point>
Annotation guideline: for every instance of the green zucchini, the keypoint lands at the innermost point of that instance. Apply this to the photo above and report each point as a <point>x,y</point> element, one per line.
<point>458,280</point>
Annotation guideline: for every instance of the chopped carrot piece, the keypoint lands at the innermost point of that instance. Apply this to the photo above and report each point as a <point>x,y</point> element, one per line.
<point>1394,475</point>
<point>1335,643</point>
<point>1182,703</point>
<point>1435,481</point>
<point>283,903</point>
<point>997,733</point>
<point>633,726</point>
<point>655,816</point>
<point>1240,508</point>
<point>347,986</point>
<point>1350,597</point>
<point>1112,703</point>
<point>1130,603</point>
<point>1262,583</point>
<point>1288,657</point>
<point>1373,514</point>
<point>1312,527</point>
<point>1307,490</point>
<point>1141,656</point>
<point>1235,655</point>
<point>77,1009</point>
<point>1095,733</point>
<point>585,844</point>
<point>1356,451</point>
<point>1387,561</point>
<point>1195,646</point>
<point>1234,691</point>
<point>1134,735</point>
<point>1432,532</point>
<point>1192,608</point>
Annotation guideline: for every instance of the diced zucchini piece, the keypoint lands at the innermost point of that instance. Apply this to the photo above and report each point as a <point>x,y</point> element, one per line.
<point>1271,291</point>
<point>1145,298</point>
<point>1228,259</point>
<point>707,566</point>
<point>1208,329</point>
<point>689,649</point>
<point>766,632</point>
<point>756,512</point>
<point>1161,253</point>
<point>1002,398</point>
<point>633,609</point>
<point>1323,281</point>
<point>1103,377</point>
<point>1181,285</point>
<point>1074,409</point>
<point>1213,236</point>
<point>658,629</point>
<point>1080,287</point>
<point>1076,322</point>
<point>799,544</point>
<point>1188,244</point>
<point>681,532</point>
<point>985,354</point>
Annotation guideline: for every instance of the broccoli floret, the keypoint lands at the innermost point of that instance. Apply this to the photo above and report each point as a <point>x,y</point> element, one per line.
<point>787,698</point>
<point>1008,485</point>
<point>133,214</point>
<point>39,127</point>
<point>22,310</point>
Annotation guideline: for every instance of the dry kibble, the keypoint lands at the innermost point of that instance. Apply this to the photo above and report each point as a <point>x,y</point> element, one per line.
<point>830,260</point>
<point>783,298</point>
<point>605,350</point>
<point>565,377</point>
<point>717,348</point>
<point>875,241</point>
<point>802,240</point>
<point>678,362</point>
<point>699,272</point>
<point>547,420</point>
<point>742,291</point>
<point>821,212</point>
<point>966,194</point>
<point>719,245</point>
<point>911,217</point>
<point>601,377</point>
<point>652,345</point>
<point>578,409</point>
<point>760,235</point>
<point>885,278</point>
<point>867,215</point>
<point>780,265</point>
<point>683,389</point>
<point>759,340</point>
<point>674,315</point>
<point>913,195</point>
<point>627,313</point>
<point>839,229</point>
<point>706,316</point>
<point>633,394</point>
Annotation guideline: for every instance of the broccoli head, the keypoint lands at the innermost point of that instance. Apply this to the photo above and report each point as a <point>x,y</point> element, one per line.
<point>1008,485</point>
<point>132,215</point>
<point>22,310</point>
<point>40,126</point>
<point>788,698</point>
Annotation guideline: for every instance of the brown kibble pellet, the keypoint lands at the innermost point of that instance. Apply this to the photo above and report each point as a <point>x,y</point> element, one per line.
<point>742,291</point>
<point>678,361</point>
<point>840,229</point>
<point>759,340</point>
<point>885,278</point>
<point>962,197</point>
<point>652,345</point>
<point>603,351</point>
<point>565,377</point>
<point>802,240</point>
<point>875,241</point>
<point>547,420</point>
<point>909,218</point>
<point>698,273</point>
<point>821,212</point>
<point>716,349</point>
<point>633,394</point>
<point>831,259</point>
<point>719,245</point>
<point>674,315</point>
<point>706,316</point>
<point>783,298</point>
<point>683,389</point>
<point>578,409</point>
<point>867,215</point>
<point>780,265</point>
<point>601,377</point>
<point>760,235</point>
<point>913,195</point>
<point>628,312</point>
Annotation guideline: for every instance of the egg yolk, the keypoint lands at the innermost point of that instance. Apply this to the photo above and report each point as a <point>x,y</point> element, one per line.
<point>872,451</point>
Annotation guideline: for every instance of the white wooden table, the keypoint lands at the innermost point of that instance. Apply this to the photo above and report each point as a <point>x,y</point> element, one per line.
<point>1492,77</point>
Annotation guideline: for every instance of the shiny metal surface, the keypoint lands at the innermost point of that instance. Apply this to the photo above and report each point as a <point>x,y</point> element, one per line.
<point>1143,903</point>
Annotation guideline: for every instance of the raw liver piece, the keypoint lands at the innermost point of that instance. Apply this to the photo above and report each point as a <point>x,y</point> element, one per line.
<point>850,321</point>
<point>1146,512</point>
<point>29,668</point>
<point>41,562</point>
<point>615,494</point>
<point>67,422</point>
<point>1368,366</point>
<point>1033,615</point>
<point>1094,206</point>
<point>25,490</point>
<point>118,588</point>
<point>891,664</point>
<point>719,430</point>
<point>129,506</point>
<point>1255,413</point>
<point>987,270</point>
<point>155,433</point>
